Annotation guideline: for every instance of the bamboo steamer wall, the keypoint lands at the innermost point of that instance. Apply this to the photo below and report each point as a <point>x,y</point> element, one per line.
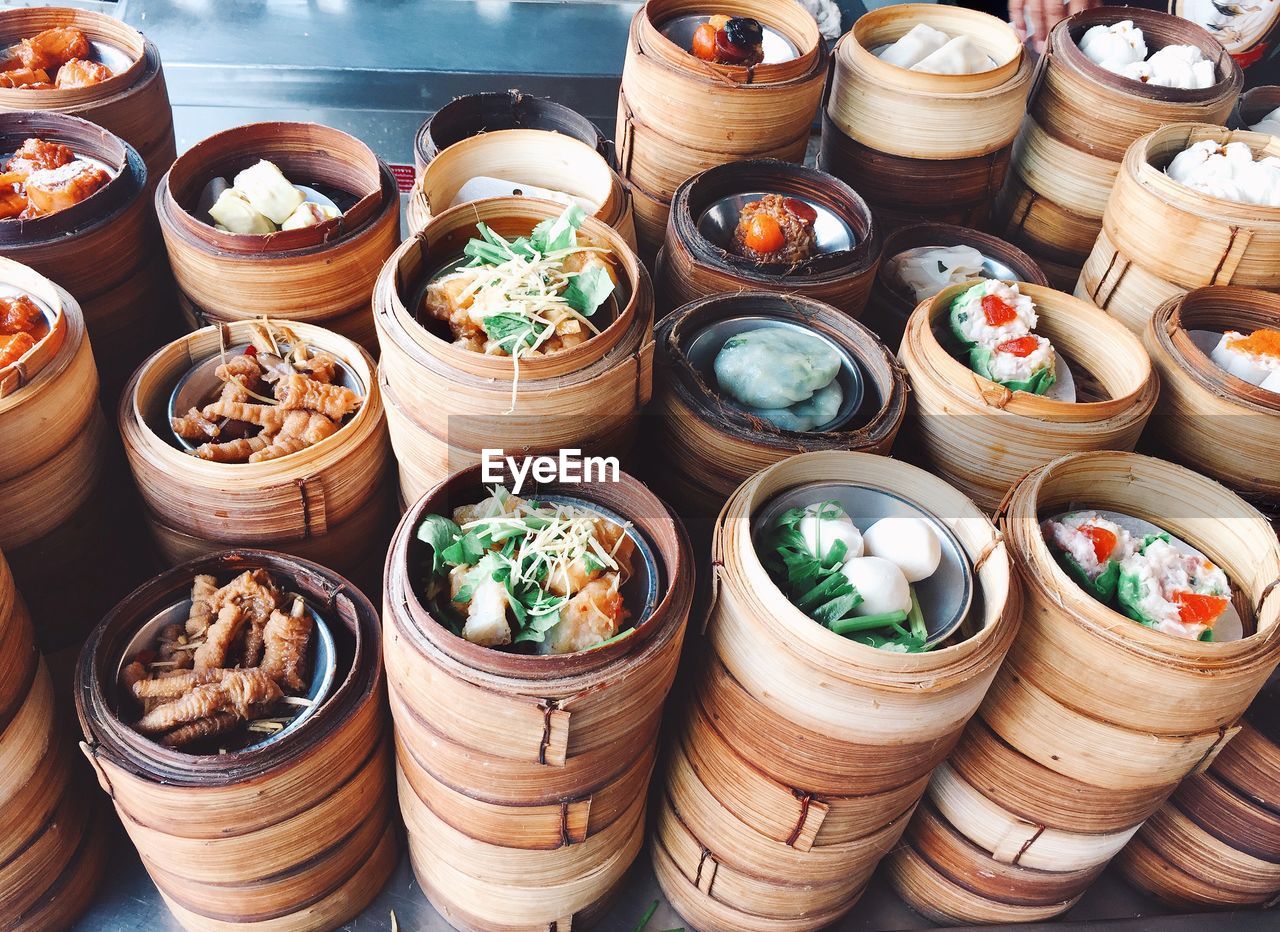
<point>523,156</point>
<point>1066,159</point>
<point>296,834</point>
<point>982,438</point>
<point>55,473</point>
<point>1160,238</point>
<point>949,152</point>
<point>1069,754</point>
<point>691,266</point>
<point>523,777</point>
<point>1215,842</point>
<point>1253,105</point>
<point>126,300</point>
<point>330,502</point>
<point>322,275</point>
<point>474,114</point>
<point>52,847</point>
<point>889,306</point>
<point>133,103</point>
<point>704,448</point>
<point>679,115</point>
<point>803,753</point>
<point>446,403</point>
<point>1206,419</point>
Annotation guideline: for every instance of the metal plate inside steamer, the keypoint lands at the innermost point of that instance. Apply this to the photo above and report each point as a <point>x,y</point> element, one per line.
<point>946,597</point>
<point>777,47</point>
<point>991,268</point>
<point>832,233</point>
<point>1230,627</point>
<point>201,386</point>
<point>707,343</point>
<point>322,661</point>
<point>12,291</point>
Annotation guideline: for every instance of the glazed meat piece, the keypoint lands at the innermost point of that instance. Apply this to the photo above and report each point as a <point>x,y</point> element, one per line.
<point>269,417</point>
<point>13,348</point>
<point>299,392</point>
<point>239,692</point>
<point>49,50</point>
<point>12,202</point>
<point>36,155</point>
<point>80,72</point>
<point>25,77</point>
<point>233,451</point>
<point>300,430</point>
<point>208,727</point>
<point>20,315</point>
<point>219,638</point>
<point>203,591</point>
<point>175,684</point>
<point>53,189</point>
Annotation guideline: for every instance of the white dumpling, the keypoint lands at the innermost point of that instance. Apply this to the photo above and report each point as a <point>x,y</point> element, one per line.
<point>265,187</point>
<point>927,270</point>
<point>923,40</point>
<point>880,583</point>
<point>310,214</point>
<point>825,523</point>
<point>909,543</point>
<point>1269,123</point>
<point>959,56</point>
<point>1181,66</point>
<point>1114,46</point>
<point>232,213</point>
<point>1134,70</point>
<point>1229,172</point>
<point>774,367</point>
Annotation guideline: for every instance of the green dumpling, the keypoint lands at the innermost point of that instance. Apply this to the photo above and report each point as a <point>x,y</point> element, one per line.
<point>808,414</point>
<point>774,367</point>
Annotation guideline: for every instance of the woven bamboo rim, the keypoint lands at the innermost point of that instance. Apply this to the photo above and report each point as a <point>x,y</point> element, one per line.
<point>1198,398</point>
<point>311,275</point>
<point>982,437</point>
<point>904,191</point>
<point>1237,821</point>
<point>694,267</point>
<point>937,116</point>
<point>1147,869</point>
<point>528,156</point>
<point>292,499</point>
<point>1008,839</point>
<point>1120,287</point>
<point>1253,105</point>
<point>267,832</point>
<point>888,306</point>
<point>133,103</point>
<point>1250,764</point>
<point>1216,242</point>
<point>710,447</point>
<point>464,398</point>
<point>51,427</point>
<point>1070,694</point>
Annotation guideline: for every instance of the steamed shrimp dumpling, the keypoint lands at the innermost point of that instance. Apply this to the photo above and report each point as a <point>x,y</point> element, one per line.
<point>774,367</point>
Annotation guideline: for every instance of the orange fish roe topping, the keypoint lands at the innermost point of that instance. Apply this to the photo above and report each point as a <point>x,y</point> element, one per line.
<point>1259,343</point>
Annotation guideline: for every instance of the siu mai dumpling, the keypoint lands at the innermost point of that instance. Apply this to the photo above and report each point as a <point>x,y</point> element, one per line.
<point>921,42</point>
<point>959,56</point>
<point>266,188</point>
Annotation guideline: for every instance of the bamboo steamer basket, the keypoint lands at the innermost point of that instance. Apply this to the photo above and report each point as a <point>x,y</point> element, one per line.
<point>1201,404</point>
<point>981,437</point>
<point>123,300</point>
<point>1066,160</point>
<point>888,306</point>
<point>295,834</point>
<point>50,841</point>
<point>321,275</point>
<point>1160,238</point>
<point>950,152</point>
<point>546,159</point>
<point>447,403</point>
<point>474,114</point>
<point>133,103</point>
<point>708,448</point>
<point>530,771</point>
<point>322,502</point>
<point>798,795</point>
<point>691,266</point>
<point>1253,105</point>
<point>679,115</point>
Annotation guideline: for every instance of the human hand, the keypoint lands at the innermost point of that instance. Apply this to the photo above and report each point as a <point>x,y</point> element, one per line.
<point>1042,16</point>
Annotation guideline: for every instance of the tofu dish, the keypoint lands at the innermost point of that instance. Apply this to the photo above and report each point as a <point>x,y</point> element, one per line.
<point>527,576</point>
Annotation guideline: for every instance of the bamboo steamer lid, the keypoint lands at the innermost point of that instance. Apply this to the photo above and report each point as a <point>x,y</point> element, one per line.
<point>321,275</point>
<point>936,116</point>
<point>1162,237</point>
<point>473,114</point>
<point>321,500</point>
<point>542,158</point>
<point>983,438</point>
<point>263,835</point>
<point>888,306</point>
<point>693,266</point>
<point>448,402</point>
<point>133,103</point>
<point>1207,419</point>
<point>708,447</point>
